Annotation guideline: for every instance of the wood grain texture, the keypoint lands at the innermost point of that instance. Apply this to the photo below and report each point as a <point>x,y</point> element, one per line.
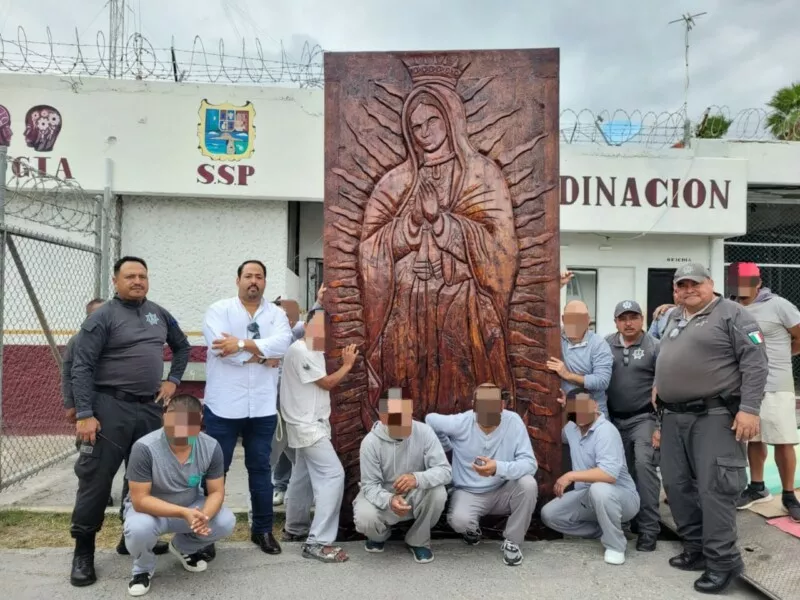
<point>441,241</point>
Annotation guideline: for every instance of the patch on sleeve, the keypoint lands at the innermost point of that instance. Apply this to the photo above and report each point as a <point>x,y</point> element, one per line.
<point>756,337</point>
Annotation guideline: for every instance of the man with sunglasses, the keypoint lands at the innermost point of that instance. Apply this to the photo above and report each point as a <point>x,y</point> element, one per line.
<point>247,336</point>
<point>632,410</point>
<point>710,378</point>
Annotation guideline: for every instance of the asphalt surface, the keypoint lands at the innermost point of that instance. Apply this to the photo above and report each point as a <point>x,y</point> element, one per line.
<point>561,569</point>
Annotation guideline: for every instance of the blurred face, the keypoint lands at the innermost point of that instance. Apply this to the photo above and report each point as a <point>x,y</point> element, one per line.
<point>745,289</point>
<point>629,324</point>
<point>292,310</point>
<point>251,283</point>
<point>182,426</point>
<point>576,320</point>
<point>582,409</point>
<point>693,295</point>
<point>131,282</point>
<point>397,417</point>
<point>488,406</point>
<point>315,333</point>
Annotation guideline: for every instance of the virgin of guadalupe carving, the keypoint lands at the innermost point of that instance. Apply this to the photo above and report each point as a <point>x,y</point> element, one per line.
<point>438,255</point>
<point>441,237</point>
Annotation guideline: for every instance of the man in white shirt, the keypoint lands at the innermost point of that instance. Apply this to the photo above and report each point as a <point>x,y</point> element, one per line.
<point>246,336</point>
<point>318,473</point>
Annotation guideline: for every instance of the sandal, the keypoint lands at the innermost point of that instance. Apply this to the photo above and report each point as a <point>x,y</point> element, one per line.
<point>328,554</point>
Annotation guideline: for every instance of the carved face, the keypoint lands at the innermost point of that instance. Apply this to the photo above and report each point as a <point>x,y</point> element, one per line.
<point>428,127</point>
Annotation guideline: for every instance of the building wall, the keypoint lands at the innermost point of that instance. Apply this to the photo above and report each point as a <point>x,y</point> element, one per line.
<point>193,248</point>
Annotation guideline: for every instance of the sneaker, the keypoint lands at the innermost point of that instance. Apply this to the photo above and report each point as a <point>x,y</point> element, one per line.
<point>792,506</point>
<point>421,554</point>
<point>372,546</point>
<point>751,496</point>
<point>472,537</point>
<point>278,497</point>
<point>290,537</point>
<point>512,555</point>
<point>614,557</point>
<point>191,562</point>
<point>139,585</point>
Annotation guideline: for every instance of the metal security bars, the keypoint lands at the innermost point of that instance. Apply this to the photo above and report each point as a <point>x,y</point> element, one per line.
<point>51,259</point>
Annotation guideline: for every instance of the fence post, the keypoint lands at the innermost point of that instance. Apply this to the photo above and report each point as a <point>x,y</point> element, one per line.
<point>105,242</point>
<point>98,246</point>
<point>3,168</point>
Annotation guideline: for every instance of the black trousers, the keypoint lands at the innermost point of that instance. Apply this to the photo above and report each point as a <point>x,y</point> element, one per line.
<point>122,423</point>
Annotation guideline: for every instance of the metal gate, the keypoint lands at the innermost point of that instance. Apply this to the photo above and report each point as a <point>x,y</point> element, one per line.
<point>50,264</point>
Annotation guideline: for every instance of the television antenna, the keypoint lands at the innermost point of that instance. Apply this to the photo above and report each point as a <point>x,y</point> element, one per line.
<point>688,21</point>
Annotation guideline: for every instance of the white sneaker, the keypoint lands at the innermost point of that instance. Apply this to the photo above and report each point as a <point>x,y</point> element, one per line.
<point>278,497</point>
<point>614,557</point>
<point>139,585</point>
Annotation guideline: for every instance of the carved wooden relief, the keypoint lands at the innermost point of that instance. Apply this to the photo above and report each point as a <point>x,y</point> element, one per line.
<point>441,236</point>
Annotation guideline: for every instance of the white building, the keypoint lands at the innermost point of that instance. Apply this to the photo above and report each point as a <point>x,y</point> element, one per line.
<point>195,205</point>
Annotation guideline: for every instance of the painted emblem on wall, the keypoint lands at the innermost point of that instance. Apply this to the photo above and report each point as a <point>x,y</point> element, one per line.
<point>226,132</point>
<point>42,126</point>
<point>5,127</point>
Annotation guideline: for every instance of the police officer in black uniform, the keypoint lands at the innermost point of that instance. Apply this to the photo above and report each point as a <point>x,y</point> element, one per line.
<point>118,362</point>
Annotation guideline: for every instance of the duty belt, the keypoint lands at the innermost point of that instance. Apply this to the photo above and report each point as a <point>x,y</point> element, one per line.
<point>699,406</point>
<point>628,415</point>
<point>124,396</point>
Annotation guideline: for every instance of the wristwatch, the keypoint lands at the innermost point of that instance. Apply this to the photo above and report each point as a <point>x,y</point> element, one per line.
<point>241,345</point>
<point>262,360</point>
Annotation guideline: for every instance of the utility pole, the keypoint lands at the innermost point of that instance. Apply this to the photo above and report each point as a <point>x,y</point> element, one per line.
<point>689,23</point>
<point>116,36</point>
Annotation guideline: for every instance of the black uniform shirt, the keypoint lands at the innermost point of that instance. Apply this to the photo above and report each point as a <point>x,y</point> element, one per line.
<point>121,345</point>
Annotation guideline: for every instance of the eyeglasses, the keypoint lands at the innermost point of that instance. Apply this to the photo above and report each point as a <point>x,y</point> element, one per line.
<point>626,356</point>
<point>253,328</point>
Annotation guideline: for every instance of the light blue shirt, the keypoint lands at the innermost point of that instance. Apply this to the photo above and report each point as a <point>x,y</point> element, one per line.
<point>592,358</point>
<point>509,445</point>
<point>658,326</point>
<point>602,448</point>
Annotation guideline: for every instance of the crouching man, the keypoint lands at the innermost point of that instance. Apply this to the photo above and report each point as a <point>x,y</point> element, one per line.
<point>605,495</point>
<point>165,471</point>
<point>403,474</point>
<point>493,469</point>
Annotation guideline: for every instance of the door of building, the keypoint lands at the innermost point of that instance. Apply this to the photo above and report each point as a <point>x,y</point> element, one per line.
<point>314,279</point>
<point>659,290</point>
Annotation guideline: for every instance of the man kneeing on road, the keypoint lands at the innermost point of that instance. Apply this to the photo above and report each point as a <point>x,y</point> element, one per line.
<point>164,474</point>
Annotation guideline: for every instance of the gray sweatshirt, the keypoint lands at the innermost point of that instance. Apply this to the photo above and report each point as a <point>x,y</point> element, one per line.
<point>384,459</point>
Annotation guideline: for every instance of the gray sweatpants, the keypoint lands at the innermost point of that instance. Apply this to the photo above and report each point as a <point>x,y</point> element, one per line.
<point>703,467</point>
<point>514,498</point>
<point>426,508</point>
<point>142,532</point>
<point>597,511</point>
<point>317,474</point>
<point>642,459</point>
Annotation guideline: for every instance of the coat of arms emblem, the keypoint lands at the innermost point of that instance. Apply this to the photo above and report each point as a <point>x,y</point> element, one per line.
<point>226,132</point>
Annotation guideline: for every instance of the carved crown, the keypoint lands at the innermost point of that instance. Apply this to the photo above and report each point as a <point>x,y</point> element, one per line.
<point>439,68</point>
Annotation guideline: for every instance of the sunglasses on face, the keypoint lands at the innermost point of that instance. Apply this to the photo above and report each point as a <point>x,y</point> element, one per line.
<point>253,328</point>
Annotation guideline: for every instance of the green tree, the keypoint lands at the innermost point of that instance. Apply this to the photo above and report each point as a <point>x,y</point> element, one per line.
<point>784,120</point>
<point>713,127</point>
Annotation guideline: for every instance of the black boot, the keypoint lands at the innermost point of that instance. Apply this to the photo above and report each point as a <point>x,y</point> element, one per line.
<point>715,582</point>
<point>83,573</point>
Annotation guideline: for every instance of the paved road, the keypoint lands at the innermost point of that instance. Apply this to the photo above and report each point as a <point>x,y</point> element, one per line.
<point>562,569</point>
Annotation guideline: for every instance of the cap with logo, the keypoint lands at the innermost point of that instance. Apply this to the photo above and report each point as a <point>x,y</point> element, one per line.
<point>627,306</point>
<point>692,272</point>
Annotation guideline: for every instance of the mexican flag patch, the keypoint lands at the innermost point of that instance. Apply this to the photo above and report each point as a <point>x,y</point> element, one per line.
<point>756,337</point>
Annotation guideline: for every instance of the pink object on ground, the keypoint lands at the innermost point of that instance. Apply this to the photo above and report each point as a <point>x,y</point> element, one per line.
<point>786,525</point>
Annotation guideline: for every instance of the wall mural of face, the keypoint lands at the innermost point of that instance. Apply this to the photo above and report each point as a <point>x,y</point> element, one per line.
<point>5,127</point>
<point>42,126</point>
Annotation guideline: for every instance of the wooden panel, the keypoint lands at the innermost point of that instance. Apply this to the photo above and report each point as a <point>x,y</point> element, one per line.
<point>441,242</point>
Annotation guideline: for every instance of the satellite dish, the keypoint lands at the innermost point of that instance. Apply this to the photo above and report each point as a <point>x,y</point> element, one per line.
<point>619,132</point>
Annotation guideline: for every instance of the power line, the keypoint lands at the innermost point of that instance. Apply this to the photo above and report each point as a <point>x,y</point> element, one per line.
<point>689,23</point>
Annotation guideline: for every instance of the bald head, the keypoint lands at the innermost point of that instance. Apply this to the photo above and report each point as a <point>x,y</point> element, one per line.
<point>576,320</point>
<point>576,307</point>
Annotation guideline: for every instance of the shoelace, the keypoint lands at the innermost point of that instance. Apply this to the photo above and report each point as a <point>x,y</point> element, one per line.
<point>511,546</point>
<point>141,578</point>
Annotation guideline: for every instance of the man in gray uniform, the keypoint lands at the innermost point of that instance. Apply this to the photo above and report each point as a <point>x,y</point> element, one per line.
<point>66,365</point>
<point>116,374</point>
<point>630,405</point>
<point>710,379</point>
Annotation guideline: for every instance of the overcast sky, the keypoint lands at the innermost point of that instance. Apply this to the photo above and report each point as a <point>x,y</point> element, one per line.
<point>614,53</point>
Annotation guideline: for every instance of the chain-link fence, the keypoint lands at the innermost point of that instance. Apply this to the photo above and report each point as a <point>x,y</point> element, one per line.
<point>50,265</point>
<point>773,242</point>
